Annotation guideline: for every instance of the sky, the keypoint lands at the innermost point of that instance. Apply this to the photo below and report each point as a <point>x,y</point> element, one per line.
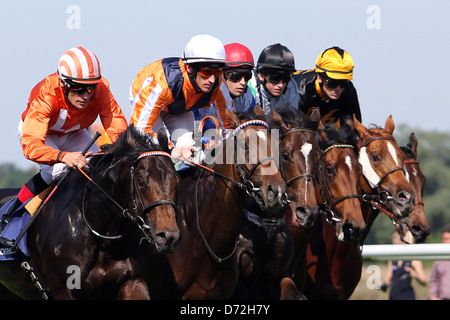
<point>401,49</point>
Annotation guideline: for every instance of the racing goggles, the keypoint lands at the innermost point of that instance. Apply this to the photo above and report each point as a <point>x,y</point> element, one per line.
<point>236,76</point>
<point>207,72</point>
<point>275,77</point>
<point>333,83</point>
<point>80,89</point>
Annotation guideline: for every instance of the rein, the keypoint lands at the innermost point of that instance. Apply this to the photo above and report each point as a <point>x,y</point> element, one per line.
<point>136,219</point>
<point>244,185</point>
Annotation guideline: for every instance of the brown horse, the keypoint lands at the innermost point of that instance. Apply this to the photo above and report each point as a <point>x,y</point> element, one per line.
<point>211,200</point>
<point>416,222</point>
<point>86,241</point>
<point>340,194</point>
<point>337,274</point>
<point>265,246</point>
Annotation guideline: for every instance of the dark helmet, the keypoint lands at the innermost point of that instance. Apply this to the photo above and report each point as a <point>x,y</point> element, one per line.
<point>276,56</point>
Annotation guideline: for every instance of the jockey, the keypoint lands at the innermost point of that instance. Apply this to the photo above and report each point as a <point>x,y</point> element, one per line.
<point>236,73</point>
<point>164,92</point>
<point>272,83</point>
<point>60,108</point>
<point>328,87</point>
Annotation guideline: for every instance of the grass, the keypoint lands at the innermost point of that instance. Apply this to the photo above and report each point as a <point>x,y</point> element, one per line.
<point>373,270</point>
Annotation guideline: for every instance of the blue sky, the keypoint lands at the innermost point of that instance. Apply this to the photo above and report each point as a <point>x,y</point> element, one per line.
<point>400,48</point>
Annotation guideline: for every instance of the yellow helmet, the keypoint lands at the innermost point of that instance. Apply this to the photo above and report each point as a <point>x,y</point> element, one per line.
<point>336,63</point>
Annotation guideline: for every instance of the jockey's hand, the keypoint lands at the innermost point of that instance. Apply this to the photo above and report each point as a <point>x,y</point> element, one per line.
<point>75,159</point>
<point>184,153</point>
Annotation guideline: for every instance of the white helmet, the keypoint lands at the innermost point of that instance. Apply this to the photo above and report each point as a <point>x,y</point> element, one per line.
<point>204,49</point>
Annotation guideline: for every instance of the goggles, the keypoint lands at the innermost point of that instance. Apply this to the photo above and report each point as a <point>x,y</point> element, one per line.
<point>276,77</point>
<point>80,89</point>
<point>235,76</point>
<point>333,83</point>
<point>206,72</point>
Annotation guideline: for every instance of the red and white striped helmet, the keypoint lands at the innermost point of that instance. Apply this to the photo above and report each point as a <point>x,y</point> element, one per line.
<point>79,65</point>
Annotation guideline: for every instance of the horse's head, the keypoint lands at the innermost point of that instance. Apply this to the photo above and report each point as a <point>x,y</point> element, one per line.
<point>414,228</point>
<point>382,165</point>
<point>299,160</point>
<point>255,157</point>
<point>339,182</point>
<point>152,185</point>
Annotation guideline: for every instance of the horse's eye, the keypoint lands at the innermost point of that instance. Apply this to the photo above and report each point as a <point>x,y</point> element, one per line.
<point>329,170</point>
<point>141,182</point>
<point>374,157</point>
<point>285,156</point>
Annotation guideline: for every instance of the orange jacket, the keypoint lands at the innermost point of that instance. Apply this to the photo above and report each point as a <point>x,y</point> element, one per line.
<point>48,113</point>
<point>164,85</point>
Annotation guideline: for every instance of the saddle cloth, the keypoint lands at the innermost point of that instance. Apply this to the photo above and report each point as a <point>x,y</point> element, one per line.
<point>17,222</point>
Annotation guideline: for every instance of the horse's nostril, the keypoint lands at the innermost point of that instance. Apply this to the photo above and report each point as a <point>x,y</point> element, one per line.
<point>271,193</point>
<point>403,197</point>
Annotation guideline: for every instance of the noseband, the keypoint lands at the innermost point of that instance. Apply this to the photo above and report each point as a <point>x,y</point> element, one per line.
<point>330,216</point>
<point>135,219</point>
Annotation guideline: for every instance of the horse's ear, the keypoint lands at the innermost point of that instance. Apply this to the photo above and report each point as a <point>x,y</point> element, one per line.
<point>258,111</point>
<point>322,131</point>
<point>163,140</point>
<point>278,119</point>
<point>360,129</point>
<point>232,118</point>
<point>413,143</point>
<point>315,115</point>
<point>390,125</point>
<point>350,123</point>
<point>131,139</point>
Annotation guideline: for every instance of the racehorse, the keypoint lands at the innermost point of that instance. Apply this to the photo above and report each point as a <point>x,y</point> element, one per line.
<point>93,228</point>
<point>211,200</point>
<point>337,274</point>
<point>265,245</point>
<point>340,195</point>
<point>416,222</point>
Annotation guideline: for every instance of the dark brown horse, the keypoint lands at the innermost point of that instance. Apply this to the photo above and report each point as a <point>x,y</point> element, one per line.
<point>414,228</point>
<point>265,245</point>
<point>337,273</point>
<point>86,241</point>
<point>211,200</point>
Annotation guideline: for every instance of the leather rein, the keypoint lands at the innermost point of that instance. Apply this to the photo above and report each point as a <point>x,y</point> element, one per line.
<point>134,218</point>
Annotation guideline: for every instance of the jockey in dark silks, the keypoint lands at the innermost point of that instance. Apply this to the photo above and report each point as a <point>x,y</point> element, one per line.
<point>328,87</point>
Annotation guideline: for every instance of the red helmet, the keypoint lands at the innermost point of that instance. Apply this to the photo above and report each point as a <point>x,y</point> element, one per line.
<point>238,55</point>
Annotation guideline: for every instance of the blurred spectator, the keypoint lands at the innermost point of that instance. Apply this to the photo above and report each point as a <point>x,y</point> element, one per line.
<point>399,276</point>
<point>440,273</point>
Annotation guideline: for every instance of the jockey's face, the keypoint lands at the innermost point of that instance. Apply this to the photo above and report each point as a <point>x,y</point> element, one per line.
<point>79,101</point>
<point>206,77</point>
<point>335,90</point>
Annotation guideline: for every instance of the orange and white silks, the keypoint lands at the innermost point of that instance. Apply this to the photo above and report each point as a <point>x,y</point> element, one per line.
<point>164,86</point>
<point>48,113</point>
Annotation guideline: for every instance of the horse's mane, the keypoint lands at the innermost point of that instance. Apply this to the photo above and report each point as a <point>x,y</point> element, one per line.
<point>296,119</point>
<point>344,135</point>
<point>126,149</point>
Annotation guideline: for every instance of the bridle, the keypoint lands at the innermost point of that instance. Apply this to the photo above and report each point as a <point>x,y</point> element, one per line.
<point>134,218</point>
<point>380,199</point>
<point>301,176</point>
<point>330,216</point>
<point>418,202</point>
<point>246,184</point>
